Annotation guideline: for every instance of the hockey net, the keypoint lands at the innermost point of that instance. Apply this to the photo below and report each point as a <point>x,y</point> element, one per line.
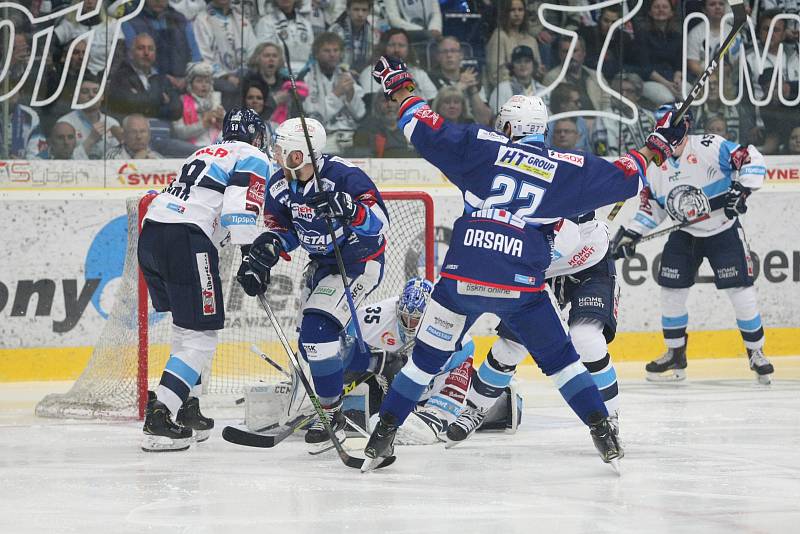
<point>133,348</point>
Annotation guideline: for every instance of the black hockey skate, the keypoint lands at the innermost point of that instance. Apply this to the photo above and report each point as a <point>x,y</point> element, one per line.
<point>316,435</point>
<point>189,416</point>
<point>381,442</point>
<point>161,433</point>
<point>673,360</point>
<point>468,421</point>
<point>605,440</point>
<point>760,365</point>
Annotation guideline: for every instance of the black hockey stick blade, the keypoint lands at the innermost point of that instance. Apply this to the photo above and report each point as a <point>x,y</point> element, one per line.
<point>240,436</point>
<point>358,463</point>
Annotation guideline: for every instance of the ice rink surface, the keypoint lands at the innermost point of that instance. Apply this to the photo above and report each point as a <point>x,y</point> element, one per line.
<point>718,453</point>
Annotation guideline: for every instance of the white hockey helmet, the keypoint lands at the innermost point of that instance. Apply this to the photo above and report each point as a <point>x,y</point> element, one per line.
<point>290,137</point>
<point>527,115</point>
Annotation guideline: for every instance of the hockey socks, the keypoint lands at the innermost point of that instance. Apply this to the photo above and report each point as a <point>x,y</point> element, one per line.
<point>490,381</point>
<point>319,345</point>
<point>406,390</point>
<point>579,390</point>
<point>192,350</point>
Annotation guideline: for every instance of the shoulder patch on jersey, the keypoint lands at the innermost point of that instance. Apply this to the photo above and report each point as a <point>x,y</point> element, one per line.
<point>486,135</point>
<point>526,163</point>
<point>429,117</point>
<point>575,159</point>
<point>278,187</point>
<point>255,193</point>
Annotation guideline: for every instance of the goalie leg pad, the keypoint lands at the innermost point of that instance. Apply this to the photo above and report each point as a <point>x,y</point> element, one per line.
<point>506,413</point>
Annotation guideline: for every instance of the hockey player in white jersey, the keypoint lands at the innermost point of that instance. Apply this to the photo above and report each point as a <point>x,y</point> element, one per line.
<point>583,276</point>
<point>707,180</point>
<point>220,192</point>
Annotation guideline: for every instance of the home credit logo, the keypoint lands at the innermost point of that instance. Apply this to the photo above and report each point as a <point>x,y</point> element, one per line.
<point>129,174</point>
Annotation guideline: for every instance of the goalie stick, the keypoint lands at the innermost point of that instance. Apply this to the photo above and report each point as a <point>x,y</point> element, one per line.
<point>331,232</point>
<point>240,436</point>
<point>739,20</point>
<point>349,461</point>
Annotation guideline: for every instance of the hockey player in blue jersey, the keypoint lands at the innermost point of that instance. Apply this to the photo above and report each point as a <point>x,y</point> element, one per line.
<point>220,192</point>
<point>296,214</point>
<point>514,188</point>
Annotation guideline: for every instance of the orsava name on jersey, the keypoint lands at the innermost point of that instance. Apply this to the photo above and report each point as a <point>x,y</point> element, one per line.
<point>493,241</point>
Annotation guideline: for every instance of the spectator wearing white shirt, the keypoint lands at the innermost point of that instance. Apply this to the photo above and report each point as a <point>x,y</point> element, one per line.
<point>358,33</point>
<point>94,131</point>
<point>697,40</point>
<point>395,43</point>
<point>335,99</point>
<point>135,140</point>
<point>523,68</point>
<point>62,143</point>
<point>286,20</point>
<point>422,18</point>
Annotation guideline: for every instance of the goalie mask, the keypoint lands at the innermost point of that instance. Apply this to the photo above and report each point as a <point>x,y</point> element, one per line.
<point>290,137</point>
<point>411,306</point>
<point>527,115</point>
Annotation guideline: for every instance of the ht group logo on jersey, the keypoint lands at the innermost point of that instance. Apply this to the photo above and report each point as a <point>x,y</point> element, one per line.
<point>526,163</point>
<point>119,11</point>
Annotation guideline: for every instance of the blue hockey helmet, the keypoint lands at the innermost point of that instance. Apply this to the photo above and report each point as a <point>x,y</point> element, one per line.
<point>411,306</point>
<point>244,124</point>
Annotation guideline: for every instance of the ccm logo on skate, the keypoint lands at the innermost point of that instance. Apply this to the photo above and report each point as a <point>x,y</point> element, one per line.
<point>493,241</point>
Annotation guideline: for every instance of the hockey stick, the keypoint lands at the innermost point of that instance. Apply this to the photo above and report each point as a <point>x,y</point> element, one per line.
<point>331,232</point>
<point>349,461</point>
<point>739,20</point>
<point>240,436</point>
<point>671,229</point>
<point>254,348</point>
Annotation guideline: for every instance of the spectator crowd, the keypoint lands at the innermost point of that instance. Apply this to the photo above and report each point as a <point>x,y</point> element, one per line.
<point>117,86</point>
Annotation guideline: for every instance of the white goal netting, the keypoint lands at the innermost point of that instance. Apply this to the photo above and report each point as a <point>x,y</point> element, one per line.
<point>131,351</point>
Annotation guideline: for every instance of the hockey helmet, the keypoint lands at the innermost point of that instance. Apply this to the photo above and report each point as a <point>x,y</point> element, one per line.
<point>290,137</point>
<point>527,115</point>
<point>244,124</point>
<point>666,108</point>
<point>411,306</point>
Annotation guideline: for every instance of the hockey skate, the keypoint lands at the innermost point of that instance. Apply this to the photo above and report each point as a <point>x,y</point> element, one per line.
<point>467,423</point>
<point>161,433</point>
<point>189,416</point>
<point>381,443</point>
<point>317,437</point>
<point>673,360</point>
<point>761,366</point>
<point>606,441</point>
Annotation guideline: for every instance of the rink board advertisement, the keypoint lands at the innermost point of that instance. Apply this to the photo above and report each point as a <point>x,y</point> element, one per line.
<point>64,259</point>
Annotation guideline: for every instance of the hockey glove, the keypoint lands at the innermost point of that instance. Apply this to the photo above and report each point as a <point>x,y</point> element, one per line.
<point>735,200</point>
<point>665,138</point>
<point>252,282</point>
<point>393,75</point>
<point>335,205</point>
<point>624,243</point>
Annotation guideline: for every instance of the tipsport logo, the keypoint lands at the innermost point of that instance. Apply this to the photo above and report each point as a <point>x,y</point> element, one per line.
<point>120,10</point>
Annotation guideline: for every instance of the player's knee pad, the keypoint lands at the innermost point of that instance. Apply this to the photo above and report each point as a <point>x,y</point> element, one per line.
<point>745,301</point>
<point>587,336</point>
<point>673,301</point>
<point>319,337</point>
<point>194,347</point>
<point>508,353</point>
<point>441,329</point>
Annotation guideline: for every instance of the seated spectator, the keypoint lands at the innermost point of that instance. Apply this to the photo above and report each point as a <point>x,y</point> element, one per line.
<point>450,72</point>
<point>579,75</point>
<point>24,134</point>
<point>512,31</point>
<point>135,140</point>
<point>62,143</point>
<point>421,18</point>
<point>565,134</point>
<point>265,67</point>
<point>715,124</point>
<point>612,137</point>
<point>188,8</point>
<point>173,35</point>
<point>740,119</point>
<point>621,53</point>
<point>95,131</point>
<point>52,79</point>
<point>792,146</point>
<point>696,59</point>
<point>395,43</point>
<point>659,40</point>
<point>20,55</point>
<point>202,108</point>
<point>255,96</point>
<point>784,6</point>
<point>523,68</point>
<point>771,59</point>
<point>224,39</point>
<point>451,105</point>
<point>564,99</point>
<point>138,88</point>
<point>102,28</point>
<point>358,34</point>
<point>324,13</point>
<point>379,136</point>
<point>285,19</point>
<point>335,99</point>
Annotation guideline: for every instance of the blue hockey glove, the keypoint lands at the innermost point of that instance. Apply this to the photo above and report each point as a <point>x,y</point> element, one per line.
<point>334,205</point>
<point>393,75</point>
<point>665,138</point>
<point>735,200</point>
<point>624,243</point>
